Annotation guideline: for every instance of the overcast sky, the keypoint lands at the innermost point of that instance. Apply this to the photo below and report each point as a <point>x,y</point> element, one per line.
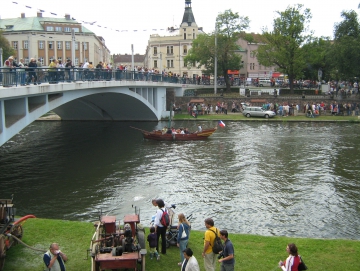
<point>148,17</point>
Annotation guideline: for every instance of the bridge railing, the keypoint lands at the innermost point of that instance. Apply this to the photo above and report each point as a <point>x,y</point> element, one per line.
<point>26,76</point>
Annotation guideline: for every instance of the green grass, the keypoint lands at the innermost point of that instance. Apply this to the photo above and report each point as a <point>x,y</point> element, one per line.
<point>252,252</point>
<point>241,117</point>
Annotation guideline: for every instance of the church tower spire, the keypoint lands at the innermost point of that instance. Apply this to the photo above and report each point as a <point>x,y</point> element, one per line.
<point>188,18</point>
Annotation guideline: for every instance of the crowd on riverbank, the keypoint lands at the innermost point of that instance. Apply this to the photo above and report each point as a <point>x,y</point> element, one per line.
<point>283,109</point>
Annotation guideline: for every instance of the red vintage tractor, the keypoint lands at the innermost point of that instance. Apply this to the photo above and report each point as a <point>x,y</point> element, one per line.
<point>11,231</point>
<point>118,246</point>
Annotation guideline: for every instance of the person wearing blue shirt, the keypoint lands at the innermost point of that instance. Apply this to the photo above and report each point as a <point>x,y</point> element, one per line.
<point>55,259</point>
<point>227,259</point>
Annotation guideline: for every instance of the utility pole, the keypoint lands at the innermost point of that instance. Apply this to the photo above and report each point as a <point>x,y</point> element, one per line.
<point>72,45</point>
<point>215,64</point>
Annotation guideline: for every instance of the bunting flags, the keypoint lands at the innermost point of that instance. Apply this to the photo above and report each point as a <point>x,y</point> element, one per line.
<point>169,29</point>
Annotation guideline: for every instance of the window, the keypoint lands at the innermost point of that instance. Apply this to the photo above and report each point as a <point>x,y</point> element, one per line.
<point>194,35</point>
<point>67,29</point>
<point>26,44</point>
<point>76,61</point>
<point>155,50</point>
<point>252,66</point>
<point>170,50</point>
<point>85,46</point>
<point>170,63</point>
<point>155,64</point>
<point>15,44</point>
<point>76,46</point>
<point>185,49</point>
<point>59,45</point>
<point>51,45</point>
<point>26,60</point>
<point>67,45</point>
<point>49,28</point>
<point>252,54</point>
<point>76,29</point>
<point>58,29</point>
<point>41,44</point>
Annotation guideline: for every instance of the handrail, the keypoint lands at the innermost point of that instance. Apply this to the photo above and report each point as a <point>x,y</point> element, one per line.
<point>10,77</point>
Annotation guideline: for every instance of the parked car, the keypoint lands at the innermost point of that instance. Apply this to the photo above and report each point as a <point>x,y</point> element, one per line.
<point>255,111</point>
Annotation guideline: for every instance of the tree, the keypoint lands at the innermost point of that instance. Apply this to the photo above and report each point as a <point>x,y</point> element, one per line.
<point>5,45</point>
<point>345,52</point>
<point>228,27</point>
<point>282,46</point>
<point>317,57</point>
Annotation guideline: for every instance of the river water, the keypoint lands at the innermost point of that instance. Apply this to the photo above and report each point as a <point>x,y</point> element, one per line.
<point>292,179</point>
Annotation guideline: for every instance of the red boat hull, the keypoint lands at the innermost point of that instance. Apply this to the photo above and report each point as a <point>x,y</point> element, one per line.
<point>157,135</point>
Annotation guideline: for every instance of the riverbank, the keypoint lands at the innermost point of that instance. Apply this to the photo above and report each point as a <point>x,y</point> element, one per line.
<point>241,117</point>
<point>253,252</point>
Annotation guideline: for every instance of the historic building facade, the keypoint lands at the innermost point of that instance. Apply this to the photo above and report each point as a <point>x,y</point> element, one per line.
<point>48,38</point>
<point>166,53</point>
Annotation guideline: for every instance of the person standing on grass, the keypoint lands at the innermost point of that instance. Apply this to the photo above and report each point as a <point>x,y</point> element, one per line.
<point>182,238</point>
<point>152,239</point>
<point>160,229</point>
<point>55,259</point>
<point>208,255</point>
<point>227,260</point>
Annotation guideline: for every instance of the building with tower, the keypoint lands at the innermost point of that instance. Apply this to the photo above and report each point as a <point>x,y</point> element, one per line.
<point>166,53</point>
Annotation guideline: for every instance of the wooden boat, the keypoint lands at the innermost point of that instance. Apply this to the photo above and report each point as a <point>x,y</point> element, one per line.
<point>158,135</point>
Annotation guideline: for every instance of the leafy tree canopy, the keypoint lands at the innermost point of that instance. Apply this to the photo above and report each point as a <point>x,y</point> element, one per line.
<point>282,46</point>
<point>203,51</point>
<point>5,45</point>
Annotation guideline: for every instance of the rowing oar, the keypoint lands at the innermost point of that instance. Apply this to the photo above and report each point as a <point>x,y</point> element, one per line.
<point>139,129</point>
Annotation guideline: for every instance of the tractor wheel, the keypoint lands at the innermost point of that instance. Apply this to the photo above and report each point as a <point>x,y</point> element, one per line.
<point>2,252</point>
<point>17,231</point>
<point>141,238</point>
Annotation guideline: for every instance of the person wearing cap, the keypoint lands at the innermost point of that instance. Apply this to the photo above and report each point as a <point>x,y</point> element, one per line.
<point>190,263</point>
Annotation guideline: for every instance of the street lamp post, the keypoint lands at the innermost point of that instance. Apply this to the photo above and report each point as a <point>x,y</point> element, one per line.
<point>1,56</point>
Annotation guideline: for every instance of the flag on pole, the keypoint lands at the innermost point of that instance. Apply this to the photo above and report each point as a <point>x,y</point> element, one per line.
<point>221,124</point>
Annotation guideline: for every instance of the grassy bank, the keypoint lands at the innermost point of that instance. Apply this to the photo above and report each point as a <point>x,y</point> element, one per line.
<point>252,252</point>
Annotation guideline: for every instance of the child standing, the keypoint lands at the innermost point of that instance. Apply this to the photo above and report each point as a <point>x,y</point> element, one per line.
<point>152,239</point>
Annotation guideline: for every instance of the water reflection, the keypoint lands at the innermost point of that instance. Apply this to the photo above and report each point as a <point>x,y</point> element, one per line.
<point>294,179</point>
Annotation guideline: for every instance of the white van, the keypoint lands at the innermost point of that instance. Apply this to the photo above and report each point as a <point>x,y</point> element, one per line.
<point>264,83</point>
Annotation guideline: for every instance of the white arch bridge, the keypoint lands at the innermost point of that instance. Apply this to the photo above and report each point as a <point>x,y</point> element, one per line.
<point>90,100</point>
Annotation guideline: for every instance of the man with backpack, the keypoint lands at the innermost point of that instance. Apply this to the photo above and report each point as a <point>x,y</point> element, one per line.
<point>161,224</point>
<point>211,249</point>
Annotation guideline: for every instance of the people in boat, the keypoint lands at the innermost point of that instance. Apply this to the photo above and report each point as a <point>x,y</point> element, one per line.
<point>169,131</point>
<point>164,130</point>
<point>182,131</point>
<point>186,131</point>
<point>199,128</point>
<point>173,131</point>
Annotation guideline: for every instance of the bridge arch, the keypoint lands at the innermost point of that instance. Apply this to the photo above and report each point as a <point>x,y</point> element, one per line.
<point>114,101</point>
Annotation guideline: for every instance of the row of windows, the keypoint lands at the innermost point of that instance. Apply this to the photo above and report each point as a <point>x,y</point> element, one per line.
<point>170,64</point>
<point>170,50</point>
<point>42,60</point>
<point>60,29</point>
<point>51,44</point>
